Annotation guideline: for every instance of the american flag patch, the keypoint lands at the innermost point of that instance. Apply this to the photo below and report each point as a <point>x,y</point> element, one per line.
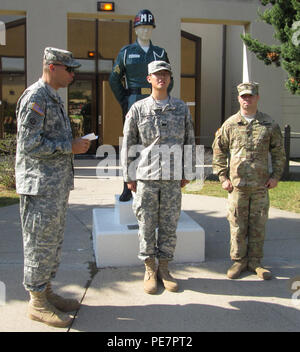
<point>35,107</point>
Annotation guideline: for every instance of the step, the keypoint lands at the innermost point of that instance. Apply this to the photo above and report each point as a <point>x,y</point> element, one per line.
<point>116,243</point>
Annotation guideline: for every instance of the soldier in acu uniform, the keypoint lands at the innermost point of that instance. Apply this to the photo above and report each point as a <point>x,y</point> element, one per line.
<point>131,65</point>
<point>44,178</point>
<point>158,124</point>
<point>247,138</point>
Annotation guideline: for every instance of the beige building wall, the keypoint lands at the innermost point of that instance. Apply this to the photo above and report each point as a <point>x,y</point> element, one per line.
<point>47,26</point>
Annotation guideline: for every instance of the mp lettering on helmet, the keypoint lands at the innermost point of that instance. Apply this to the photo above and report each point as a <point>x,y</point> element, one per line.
<point>146,17</point>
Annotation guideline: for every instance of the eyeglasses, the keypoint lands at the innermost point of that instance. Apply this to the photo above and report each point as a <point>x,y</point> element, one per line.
<point>70,69</point>
<point>67,68</point>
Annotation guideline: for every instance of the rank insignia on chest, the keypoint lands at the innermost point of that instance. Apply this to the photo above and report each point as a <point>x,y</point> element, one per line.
<point>35,107</point>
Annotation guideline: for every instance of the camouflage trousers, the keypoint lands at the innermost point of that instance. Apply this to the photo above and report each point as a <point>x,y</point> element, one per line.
<point>247,215</point>
<point>157,204</point>
<point>43,223</point>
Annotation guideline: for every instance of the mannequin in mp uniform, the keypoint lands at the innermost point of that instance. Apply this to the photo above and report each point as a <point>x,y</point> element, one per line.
<point>131,66</point>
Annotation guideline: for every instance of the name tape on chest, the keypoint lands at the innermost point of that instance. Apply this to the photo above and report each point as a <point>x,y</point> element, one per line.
<point>134,56</point>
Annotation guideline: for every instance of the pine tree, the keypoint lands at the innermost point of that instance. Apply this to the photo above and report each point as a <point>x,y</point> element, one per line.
<point>284,16</point>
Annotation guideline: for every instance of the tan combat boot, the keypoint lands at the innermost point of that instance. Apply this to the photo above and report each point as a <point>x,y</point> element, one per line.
<point>150,280</point>
<point>261,272</point>
<point>163,273</point>
<point>63,304</point>
<point>237,268</point>
<point>41,310</point>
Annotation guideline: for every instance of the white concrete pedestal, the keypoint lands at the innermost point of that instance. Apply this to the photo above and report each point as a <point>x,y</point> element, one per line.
<point>123,212</point>
<point>115,237</point>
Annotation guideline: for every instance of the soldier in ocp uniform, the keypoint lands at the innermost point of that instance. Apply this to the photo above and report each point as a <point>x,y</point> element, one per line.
<point>157,127</point>
<point>131,66</point>
<point>44,178</point>
<point>246,139</point>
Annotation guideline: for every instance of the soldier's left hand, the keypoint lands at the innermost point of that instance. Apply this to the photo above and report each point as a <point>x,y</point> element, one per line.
<point>227,185</point>
<point>271,183</point>
<point>132,186</point>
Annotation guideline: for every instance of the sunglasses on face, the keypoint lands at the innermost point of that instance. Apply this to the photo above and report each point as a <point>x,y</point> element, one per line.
<point>70,69</point>
<point>67,68</point>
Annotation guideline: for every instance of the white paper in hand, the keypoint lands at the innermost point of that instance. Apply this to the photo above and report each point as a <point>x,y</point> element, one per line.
<point>90,136</point>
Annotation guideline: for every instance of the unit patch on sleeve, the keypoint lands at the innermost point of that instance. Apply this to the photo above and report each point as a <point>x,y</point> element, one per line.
<point>35,107</point>
<point>117,69</point>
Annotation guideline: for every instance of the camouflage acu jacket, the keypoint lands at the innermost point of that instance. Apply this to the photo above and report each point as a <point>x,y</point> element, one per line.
<point>162,138</point>
<point>247,146</point>
<point>44,159</point>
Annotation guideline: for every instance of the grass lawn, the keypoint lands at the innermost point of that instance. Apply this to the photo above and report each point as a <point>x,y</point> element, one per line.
<point>285,196</point>
<point>8,196</point>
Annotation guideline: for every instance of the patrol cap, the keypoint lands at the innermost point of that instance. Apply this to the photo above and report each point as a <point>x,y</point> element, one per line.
<point>158,65</point>
<point>144,18</point>
<point>60,56</point>
<point>248,88</point>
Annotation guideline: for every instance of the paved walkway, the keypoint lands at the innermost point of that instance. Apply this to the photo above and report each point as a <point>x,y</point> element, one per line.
<point>112,299</point>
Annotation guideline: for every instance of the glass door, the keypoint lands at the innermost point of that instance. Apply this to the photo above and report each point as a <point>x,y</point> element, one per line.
<point>12,72</point>
<point>82,108</point>
<point>191,76</point>
<point>110,114</point>
<point>11,87</point>
<point>95,43</point>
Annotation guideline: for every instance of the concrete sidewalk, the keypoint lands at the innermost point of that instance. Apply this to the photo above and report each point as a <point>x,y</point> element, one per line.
<point>112,299</point>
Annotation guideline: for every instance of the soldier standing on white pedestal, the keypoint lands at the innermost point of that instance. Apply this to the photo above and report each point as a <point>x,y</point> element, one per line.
<point>159,121</point>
